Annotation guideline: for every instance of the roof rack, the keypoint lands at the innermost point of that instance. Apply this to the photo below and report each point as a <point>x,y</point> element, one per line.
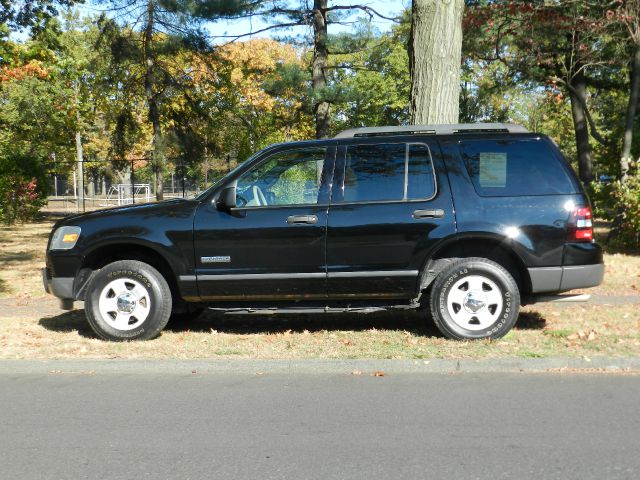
<point>433,130</point>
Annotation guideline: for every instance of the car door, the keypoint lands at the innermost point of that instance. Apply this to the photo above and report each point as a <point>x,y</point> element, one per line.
<point>390,203</point>
<point>271,246</point>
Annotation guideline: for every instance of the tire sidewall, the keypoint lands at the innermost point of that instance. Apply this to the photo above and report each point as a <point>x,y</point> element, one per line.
<point>150,279</point>
<point>446,281</point>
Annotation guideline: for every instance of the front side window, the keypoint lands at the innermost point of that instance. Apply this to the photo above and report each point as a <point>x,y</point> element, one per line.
<point>287,178</point>
<point>387,172</point>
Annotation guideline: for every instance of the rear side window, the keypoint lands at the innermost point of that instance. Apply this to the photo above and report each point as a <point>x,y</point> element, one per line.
<point>512,168</point>
<point>387,172</point>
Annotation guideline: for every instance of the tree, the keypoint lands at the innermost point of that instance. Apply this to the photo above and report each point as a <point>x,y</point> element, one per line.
<point>373,79</point>
<point>283,14</point>
<point>32,14</point>
<point>155,34</point>
<point>562,45</point>
<point>628,14</point>
<point>435,49</point>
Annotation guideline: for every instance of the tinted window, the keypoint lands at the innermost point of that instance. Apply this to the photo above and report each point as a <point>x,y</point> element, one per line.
<point>394,171</point>
<point>500,168</point>
<point>287,178</point>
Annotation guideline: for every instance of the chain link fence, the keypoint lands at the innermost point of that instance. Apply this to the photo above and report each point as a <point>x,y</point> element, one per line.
<point>92,185</point>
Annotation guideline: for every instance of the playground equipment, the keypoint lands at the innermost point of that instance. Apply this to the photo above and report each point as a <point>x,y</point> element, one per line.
<point>126,193</point>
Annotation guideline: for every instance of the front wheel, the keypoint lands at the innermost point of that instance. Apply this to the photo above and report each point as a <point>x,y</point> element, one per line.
<point>128,300</point>
<point>474,298</point>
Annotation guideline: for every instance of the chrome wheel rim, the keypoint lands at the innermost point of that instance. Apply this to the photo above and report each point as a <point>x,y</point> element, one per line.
<point>124,304</point>
<point>474,302</point>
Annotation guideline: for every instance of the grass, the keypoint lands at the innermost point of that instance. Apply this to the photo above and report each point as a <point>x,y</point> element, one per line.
<point>22,252</point>
<point>542,330</point>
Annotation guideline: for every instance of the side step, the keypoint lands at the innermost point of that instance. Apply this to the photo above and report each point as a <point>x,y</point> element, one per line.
<point>303,310</point>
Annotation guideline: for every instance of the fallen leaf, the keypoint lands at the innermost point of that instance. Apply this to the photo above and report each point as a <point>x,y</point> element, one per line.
<point>378,373</point>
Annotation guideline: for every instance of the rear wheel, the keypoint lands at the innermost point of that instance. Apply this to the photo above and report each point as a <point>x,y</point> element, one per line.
<point>474,298</point>
<point>128,300</point>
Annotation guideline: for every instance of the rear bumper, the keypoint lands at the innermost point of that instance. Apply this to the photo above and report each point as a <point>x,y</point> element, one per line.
<point>561,279</point>
<point>61,287</point>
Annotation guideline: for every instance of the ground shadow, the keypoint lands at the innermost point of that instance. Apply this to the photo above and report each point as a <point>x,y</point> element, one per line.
<point>414,322</point>
<point>530,321</point>
<point>66,322</point>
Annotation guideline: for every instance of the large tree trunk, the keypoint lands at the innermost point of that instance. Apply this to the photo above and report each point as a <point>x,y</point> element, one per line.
<point>578,95</point>
<point>321,108</point>
<point>625,158</point>
<point>435,47</point>
<point>157,150</point>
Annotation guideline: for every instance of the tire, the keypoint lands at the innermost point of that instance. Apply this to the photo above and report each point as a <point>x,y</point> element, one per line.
<point>128,300</point>
<point>474,298</point>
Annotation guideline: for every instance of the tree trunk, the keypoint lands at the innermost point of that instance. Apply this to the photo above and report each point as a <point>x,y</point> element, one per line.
<point>435,47</point>
<point>634,74</point>
<point>157,151</point>
<point>321,107</point>
<point>578,95</point>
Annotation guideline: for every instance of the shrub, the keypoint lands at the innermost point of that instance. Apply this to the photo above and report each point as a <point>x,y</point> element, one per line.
<point>20,199</point>
<point>626,225</point>
<point>22,187</point>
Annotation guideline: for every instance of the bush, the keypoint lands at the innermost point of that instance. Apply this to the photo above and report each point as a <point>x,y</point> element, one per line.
<point>20,199</point>
<point>22,188</point>
<point>626,225</point>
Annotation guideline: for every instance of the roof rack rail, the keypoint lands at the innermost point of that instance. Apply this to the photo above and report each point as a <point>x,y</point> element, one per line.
<point>432,130</point>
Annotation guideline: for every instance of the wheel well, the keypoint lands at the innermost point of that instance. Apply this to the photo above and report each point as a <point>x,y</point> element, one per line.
<point>112,253</point>
<point>485,248</point>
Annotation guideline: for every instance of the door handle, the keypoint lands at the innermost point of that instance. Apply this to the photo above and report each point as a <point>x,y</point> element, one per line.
<point>438,213</point>
<point>302,219</point>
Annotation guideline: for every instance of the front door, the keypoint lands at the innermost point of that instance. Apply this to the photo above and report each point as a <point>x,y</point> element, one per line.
<point>272,245</point>
<point>390,203</point>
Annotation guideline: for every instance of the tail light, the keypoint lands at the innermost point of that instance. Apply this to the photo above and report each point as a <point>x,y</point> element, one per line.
<point>580,225</point>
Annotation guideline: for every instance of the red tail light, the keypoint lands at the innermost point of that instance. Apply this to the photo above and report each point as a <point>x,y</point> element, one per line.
<point>581,225</point>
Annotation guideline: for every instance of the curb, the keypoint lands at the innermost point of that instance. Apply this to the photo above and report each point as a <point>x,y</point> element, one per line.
<point>321,366</point>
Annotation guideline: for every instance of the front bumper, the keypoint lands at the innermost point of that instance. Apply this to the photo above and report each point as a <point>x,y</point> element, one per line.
<point>561,279</point>
<point>61,287</point>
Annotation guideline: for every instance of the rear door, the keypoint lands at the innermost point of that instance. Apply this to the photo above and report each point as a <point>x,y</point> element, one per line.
<point>272,246</point>
<point>390,203</point>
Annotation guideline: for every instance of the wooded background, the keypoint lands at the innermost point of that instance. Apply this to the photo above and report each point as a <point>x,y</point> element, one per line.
<point>157,84</point>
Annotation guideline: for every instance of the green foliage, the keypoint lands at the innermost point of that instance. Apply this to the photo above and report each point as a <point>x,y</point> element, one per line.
<point>34,14</point>
<point>22,191</point>
<point>626,199</point>
<point>374,81</point>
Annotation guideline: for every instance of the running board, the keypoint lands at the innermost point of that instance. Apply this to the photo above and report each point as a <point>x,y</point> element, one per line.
<point>303,310</point>
<point>584,297</point>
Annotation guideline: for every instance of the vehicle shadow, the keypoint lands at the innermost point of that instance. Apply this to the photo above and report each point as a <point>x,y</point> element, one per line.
<point>414,322</point>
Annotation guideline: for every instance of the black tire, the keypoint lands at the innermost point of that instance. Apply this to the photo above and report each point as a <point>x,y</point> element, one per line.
<point>134,275</point>
<point>489,311</point>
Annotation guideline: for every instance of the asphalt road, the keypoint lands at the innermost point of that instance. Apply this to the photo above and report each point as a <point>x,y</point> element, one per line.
<point>319,426</point>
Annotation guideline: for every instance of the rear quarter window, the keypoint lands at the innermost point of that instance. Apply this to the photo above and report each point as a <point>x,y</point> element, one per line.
<point>513,168</point>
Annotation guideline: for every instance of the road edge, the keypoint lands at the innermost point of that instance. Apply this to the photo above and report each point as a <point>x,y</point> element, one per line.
<point>321,366</point>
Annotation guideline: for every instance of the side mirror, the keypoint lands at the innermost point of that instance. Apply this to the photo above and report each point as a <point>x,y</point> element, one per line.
<point>227,198</point>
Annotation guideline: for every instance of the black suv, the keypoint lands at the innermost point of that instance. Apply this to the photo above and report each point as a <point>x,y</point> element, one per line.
<point>471,221</point>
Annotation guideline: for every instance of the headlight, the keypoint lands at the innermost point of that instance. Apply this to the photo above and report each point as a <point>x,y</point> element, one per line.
<point>65,238</point>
